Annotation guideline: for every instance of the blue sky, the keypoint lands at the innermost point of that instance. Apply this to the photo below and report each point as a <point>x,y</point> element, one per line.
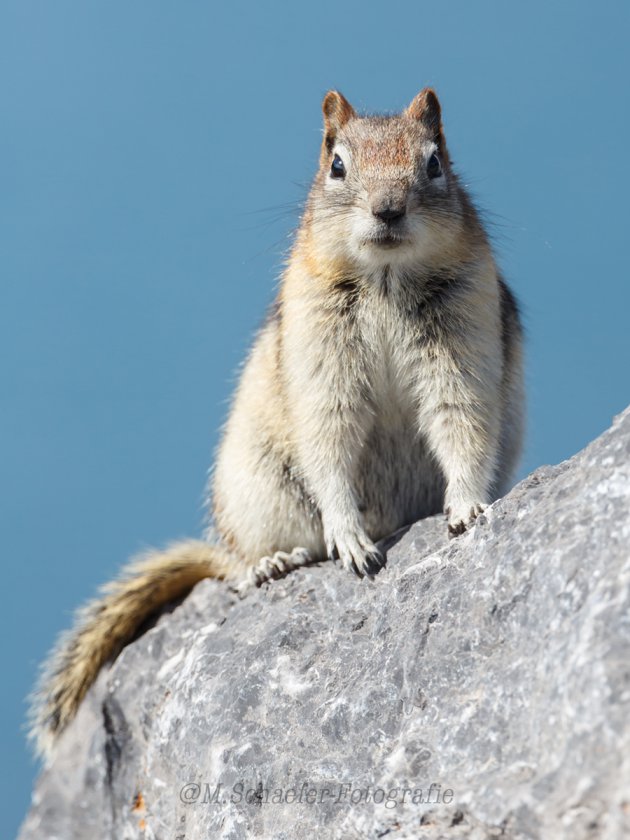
<point>153,157</point>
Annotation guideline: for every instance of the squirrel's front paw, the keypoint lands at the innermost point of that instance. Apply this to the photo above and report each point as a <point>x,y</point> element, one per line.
<point>356,552</point>
<point>462,517</point>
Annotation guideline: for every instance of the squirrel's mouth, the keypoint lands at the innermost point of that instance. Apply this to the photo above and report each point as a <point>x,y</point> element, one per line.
<point>385,240</point>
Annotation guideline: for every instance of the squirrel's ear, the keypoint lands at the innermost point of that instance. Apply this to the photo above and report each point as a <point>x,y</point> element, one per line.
<point>337,111</point>
<point>426,109</point>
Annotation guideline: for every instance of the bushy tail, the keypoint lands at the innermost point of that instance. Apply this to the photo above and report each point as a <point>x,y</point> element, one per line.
<point>105,625</point>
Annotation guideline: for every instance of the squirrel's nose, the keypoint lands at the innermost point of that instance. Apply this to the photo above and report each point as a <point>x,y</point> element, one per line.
<point>387,212</point>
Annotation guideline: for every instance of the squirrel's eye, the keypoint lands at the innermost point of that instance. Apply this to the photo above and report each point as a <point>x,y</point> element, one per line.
<point>434,167</point>
<point>337,169</point>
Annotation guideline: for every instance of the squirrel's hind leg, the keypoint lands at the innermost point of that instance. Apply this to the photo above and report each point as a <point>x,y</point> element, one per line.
<point>271,568</point>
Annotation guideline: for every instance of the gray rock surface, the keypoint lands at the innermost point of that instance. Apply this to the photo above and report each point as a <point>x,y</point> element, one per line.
<point>495,667</point>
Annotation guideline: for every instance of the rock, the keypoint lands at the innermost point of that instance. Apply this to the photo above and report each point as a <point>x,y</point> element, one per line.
<point>491,673</point>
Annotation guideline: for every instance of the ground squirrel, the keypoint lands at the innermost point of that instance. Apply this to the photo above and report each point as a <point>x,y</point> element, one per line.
<point>385,386</point>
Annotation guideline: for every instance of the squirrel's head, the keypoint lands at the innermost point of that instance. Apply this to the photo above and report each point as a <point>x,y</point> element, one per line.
<point>385,193</point>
